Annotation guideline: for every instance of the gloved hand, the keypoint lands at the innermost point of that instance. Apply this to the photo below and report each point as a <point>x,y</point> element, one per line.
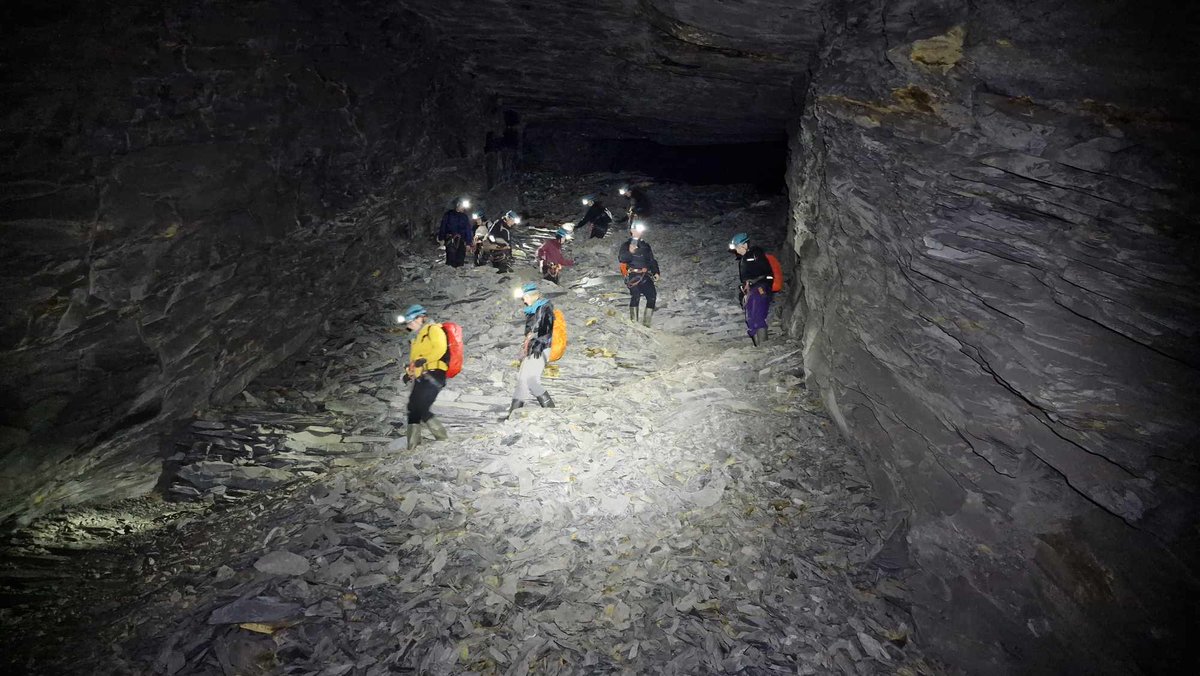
<point>407,379</point>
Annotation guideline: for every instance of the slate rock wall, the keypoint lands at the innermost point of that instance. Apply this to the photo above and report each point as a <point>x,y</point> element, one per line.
<point>994,225</point>
<point>188,189</point>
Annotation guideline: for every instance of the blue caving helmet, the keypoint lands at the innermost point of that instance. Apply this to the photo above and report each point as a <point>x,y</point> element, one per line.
<point>739,239</point>
<point>413,312</point>
<point>529,287</point>
<point>512,216</point>
<point>561,233</point>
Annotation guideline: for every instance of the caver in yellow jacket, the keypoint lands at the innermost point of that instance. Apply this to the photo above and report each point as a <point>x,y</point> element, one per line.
<point>428,350</point>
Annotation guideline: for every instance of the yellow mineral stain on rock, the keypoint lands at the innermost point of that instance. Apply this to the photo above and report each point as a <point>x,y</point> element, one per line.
<point>906,101</point>
<point>940,52</point>
<point>914,98</point>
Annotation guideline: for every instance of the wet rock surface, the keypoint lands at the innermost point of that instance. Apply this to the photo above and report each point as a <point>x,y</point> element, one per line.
<point>995,235</point>
<point>686,508</point>
<point>187,189</point>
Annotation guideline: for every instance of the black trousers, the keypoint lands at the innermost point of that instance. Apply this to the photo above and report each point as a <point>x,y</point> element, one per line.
<point>425,392</point>
<point>599,231</point>
<point>644,287</point>
<point>456,251</point>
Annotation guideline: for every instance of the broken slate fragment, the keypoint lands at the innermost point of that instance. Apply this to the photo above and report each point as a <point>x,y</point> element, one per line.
<point>258,609</point>
<point>282,563</point>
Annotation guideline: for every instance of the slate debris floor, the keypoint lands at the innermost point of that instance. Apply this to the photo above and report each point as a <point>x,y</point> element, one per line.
<point>686,509</point>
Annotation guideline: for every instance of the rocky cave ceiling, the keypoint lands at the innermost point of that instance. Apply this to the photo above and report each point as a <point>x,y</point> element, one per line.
<point>676,71</point>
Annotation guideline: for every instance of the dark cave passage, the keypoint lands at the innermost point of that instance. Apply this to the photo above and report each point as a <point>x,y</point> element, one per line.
<point>762,164</point>
<point>966,446</point>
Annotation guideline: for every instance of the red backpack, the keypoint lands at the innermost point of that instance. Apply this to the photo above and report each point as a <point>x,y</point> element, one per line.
<point>776,272</point>
<point>454,344</point>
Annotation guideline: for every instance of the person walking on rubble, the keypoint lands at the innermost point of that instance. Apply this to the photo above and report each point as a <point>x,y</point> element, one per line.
<point>494,245</point>
<point>535,349</point>
<point>455,232</point>
<point>597,216</point>
<point>550,257</point>
<point>639,202</point>
<point>428,361</point>
<point>755,280</point>
<point>640,269</point>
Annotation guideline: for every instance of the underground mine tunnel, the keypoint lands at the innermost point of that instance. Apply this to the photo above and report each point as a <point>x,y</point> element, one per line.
<point>965,445</point>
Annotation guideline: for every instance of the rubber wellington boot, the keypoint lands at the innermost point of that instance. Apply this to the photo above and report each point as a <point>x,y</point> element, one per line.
<point>633,313</point>
<point>761,337</point>
<point>414,435</point>
<point>437,429</point>
<point>646,316</point>
<point>516,403</point>
<point>545,401</point>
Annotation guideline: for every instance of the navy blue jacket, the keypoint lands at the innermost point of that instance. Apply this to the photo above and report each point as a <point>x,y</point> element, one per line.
<point>456,223</point>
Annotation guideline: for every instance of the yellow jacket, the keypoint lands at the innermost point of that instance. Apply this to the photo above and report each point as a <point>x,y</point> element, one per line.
<point>430,345</point>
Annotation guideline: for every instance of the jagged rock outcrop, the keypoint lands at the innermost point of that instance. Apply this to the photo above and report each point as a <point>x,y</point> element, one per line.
<point>994,226</point>
<point>183,216</point>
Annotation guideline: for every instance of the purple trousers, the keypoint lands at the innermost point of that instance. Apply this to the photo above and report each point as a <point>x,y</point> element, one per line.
<point>758,306</point>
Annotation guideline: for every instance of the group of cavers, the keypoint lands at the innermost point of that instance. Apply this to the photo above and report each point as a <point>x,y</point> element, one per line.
<point>436,352</point>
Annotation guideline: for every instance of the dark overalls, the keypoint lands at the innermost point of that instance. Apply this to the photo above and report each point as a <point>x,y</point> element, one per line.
<point>640,269</point>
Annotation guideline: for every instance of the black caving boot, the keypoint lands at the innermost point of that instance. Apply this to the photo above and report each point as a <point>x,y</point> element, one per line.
<point>414,435</point>
<point>545,401</point>
<point>646,316</point>
<point>516,403</point>
<point>437,429</point>
<point>633,313</point>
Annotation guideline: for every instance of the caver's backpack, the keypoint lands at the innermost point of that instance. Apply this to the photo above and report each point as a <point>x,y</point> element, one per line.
<point>558,338</point>
<point>454,344</point>
<point>776,272</point>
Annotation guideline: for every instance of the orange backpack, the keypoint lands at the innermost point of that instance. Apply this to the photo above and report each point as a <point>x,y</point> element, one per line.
<point>558,336</point>
<point>776,272</point>
<point>454,342</point>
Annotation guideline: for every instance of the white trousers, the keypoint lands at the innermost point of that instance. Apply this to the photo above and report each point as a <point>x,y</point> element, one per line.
<point>529,378</point>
